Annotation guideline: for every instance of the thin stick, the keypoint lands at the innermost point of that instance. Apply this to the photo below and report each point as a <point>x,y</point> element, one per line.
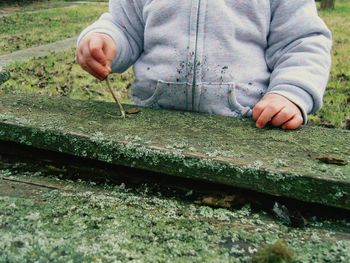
<point>115,97</point>
<point>31,183</point>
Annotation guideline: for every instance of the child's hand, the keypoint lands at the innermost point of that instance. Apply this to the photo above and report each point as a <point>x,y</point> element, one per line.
<point>95,54</point>
<point>277,110</point>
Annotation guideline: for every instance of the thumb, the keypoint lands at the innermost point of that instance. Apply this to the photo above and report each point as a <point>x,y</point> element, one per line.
<point>109,49</point>
<point>109,65</point>
<point>96,50</point>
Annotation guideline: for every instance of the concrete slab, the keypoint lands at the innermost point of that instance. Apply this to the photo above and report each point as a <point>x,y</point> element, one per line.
<point>311,164</point>
<point>46,219</point>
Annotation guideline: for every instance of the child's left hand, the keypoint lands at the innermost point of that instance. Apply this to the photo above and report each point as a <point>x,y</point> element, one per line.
<point>278,111</point>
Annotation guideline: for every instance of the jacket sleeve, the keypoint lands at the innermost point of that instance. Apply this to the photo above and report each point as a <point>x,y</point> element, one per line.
<point>124,24</point>
<point>298,53</point>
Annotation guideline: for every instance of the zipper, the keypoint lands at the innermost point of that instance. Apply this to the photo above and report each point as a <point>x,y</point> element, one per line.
<point>195,55</point>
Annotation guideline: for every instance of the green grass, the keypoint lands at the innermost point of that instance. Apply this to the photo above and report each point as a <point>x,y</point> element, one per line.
<point>336,108</point>
<point>58,74</point>
<point>85,0</point>
<point>23,30</point>
<point>6,8</point>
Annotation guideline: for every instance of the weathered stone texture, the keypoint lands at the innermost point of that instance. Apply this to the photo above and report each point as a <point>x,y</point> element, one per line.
<point>311,164</point>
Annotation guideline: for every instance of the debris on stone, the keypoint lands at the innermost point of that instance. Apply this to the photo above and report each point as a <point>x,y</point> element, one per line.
<point>332,160</point>
<point>133,110</point>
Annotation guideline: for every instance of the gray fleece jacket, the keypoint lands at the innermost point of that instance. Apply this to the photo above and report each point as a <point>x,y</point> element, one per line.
<point>219,56</point>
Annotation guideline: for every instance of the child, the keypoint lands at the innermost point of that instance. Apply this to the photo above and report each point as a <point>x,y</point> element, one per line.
<point>268,59</point>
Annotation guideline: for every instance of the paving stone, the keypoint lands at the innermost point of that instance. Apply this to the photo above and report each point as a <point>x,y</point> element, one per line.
<point>49,220</point>
<point>310,164</point>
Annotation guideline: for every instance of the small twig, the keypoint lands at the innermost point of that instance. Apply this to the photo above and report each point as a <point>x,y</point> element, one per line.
<point>91,91</point>
<point>31,183</point>
<point>115,97</point>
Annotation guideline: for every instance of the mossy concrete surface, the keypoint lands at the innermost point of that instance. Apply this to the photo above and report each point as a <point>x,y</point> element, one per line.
<point>311,164</point>
<point>47,219</point>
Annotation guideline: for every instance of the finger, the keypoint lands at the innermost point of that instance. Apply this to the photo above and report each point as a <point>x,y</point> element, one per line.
<point>109,50</point>
<point>282,117</point>
<point>78,57</point>
<point>83,57</point>
<point>268,113</point>
<point>94,67</point>
<point>96,50</point>
<point>258,109</point>
<point>294,123</point>
<point>80,51</point>
<point>89,70</point>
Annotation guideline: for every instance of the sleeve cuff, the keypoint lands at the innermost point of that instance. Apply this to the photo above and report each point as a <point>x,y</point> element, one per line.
<point>296,95</point>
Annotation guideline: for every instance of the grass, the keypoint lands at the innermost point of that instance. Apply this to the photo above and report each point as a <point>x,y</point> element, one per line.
<point>8,7</point>
<point>23,30</point>
<point>336,109</point>
<point>17,30</point>
<point>58,74</point>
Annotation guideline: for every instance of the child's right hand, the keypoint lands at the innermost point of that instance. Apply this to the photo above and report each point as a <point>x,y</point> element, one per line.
<point>95,54</point>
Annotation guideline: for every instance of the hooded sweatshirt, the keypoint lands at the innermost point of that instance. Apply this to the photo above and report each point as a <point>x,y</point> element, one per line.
<point>219,56</point>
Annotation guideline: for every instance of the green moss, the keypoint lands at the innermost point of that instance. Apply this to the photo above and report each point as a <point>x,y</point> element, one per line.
<point>85,222</point>
<point>244,156</point>
<point>274,253</point>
